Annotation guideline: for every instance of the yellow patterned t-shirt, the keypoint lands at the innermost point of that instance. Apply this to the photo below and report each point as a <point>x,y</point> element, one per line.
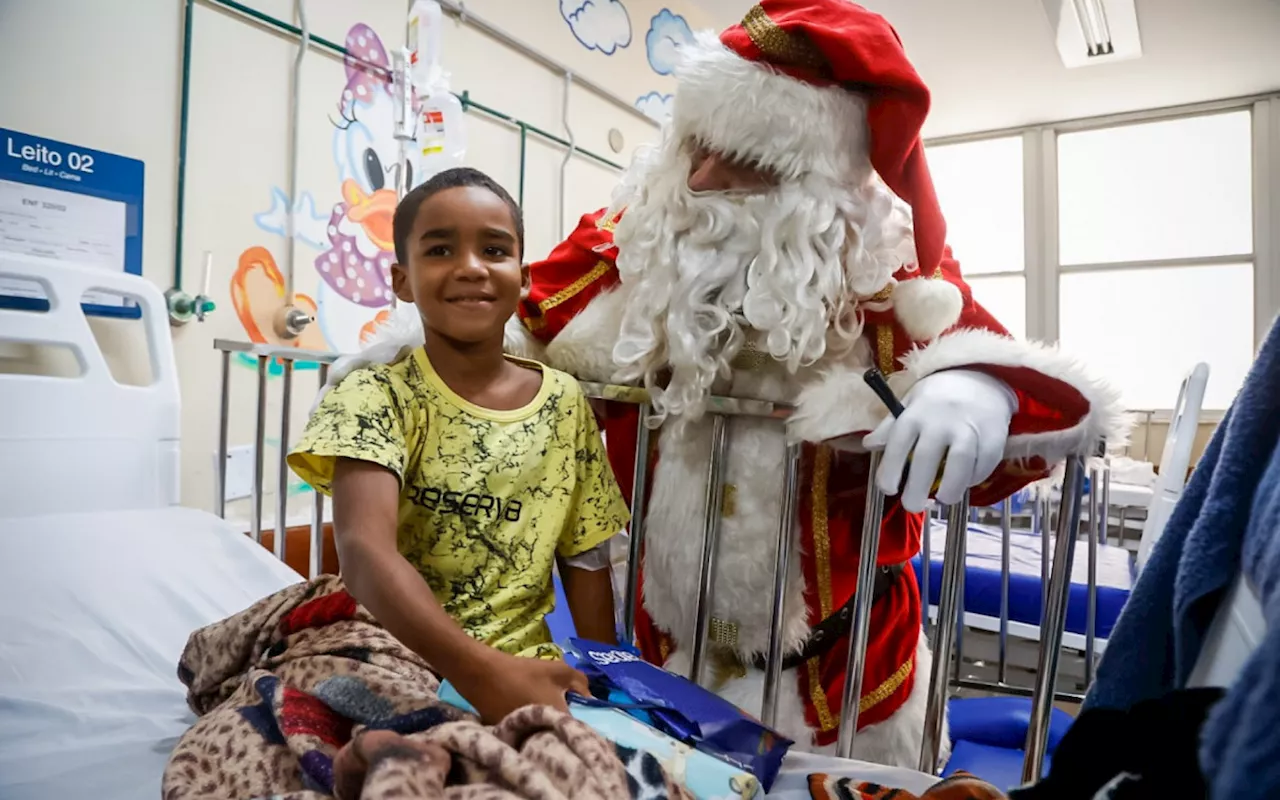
<point>487,498</point>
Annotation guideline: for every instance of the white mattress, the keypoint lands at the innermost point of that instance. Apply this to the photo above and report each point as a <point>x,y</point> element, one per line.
<point>983,545</point>
<point>94,612</point>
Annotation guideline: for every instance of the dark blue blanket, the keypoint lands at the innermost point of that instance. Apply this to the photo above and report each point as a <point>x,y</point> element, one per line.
<point>1227,521</point>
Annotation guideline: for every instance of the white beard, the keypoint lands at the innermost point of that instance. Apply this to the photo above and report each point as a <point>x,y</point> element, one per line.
<point>791,263</point>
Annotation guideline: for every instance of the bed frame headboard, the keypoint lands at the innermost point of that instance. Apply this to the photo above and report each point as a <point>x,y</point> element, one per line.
<point>85,443</point>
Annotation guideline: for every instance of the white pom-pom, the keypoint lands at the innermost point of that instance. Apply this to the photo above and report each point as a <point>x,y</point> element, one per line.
<point>926,307</point>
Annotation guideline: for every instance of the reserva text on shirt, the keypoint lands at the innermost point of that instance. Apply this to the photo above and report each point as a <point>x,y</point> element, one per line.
<point>466,504</point>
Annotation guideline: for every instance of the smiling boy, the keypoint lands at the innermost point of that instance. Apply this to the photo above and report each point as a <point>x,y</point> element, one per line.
<point>461,475</point>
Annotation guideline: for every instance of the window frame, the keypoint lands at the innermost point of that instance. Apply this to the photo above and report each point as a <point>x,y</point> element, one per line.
<point>1041,267</point>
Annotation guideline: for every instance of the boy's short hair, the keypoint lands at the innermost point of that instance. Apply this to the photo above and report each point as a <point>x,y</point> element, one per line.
<point>407,209</point>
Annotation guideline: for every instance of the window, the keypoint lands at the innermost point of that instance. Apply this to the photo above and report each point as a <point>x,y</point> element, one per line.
<point>1176,192</point>
<point>1144,329</point>
<point>1180,188</point>
<point>979,186</point>
<point>1005,296</point>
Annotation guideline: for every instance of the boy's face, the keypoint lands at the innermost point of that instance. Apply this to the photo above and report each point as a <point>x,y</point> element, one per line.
<point>464,272</point>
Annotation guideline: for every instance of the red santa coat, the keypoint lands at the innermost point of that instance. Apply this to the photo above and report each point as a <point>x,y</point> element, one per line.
<point>914,328</point>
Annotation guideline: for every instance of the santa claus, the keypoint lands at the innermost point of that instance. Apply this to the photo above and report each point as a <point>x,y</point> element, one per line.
<point>783,238</point>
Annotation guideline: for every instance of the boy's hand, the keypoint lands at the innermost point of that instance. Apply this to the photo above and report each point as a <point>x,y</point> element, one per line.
<point>506,683</point>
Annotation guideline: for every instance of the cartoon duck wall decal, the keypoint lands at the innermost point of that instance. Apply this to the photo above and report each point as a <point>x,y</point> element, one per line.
<point>355,270</point>
<point>357,249</point>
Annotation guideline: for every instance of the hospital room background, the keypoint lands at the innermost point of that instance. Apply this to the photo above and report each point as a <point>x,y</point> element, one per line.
<point>1127,209</point>
<point>1111,207</point>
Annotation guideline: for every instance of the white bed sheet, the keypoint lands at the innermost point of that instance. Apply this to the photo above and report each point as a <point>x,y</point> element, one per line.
<point>94,612</point>
<point>983,546</point>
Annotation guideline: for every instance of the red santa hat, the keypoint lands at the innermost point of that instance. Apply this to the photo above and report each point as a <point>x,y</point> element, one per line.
<point>804,86</point>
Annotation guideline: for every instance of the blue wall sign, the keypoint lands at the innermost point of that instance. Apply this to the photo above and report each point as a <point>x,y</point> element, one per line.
<point>65,201</point>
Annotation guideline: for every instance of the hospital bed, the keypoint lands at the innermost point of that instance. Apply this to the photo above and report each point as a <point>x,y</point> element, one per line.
<point>104,576</point>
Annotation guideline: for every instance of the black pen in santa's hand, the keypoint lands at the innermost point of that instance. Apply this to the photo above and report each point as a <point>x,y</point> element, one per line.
<point>876,380</point>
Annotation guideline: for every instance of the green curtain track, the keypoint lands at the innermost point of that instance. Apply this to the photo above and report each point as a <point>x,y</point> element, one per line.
<point>468,104</point>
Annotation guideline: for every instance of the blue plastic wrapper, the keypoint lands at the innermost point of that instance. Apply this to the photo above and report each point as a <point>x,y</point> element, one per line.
<point>683,710</point>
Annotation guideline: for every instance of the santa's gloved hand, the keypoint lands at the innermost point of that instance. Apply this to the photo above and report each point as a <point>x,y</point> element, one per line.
<point>958,415</point>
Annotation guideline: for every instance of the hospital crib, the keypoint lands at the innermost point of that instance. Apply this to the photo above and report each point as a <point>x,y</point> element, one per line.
<point>945,636</point>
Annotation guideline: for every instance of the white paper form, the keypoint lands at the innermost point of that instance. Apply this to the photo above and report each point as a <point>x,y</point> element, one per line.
<point>38,221</point>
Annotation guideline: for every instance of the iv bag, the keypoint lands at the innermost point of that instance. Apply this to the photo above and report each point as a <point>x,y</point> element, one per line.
<point>441,138</point>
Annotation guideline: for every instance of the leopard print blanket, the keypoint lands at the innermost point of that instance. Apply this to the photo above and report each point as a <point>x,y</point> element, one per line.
<point>283,688</point>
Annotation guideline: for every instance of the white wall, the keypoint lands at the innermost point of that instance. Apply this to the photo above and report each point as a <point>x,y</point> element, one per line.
<point>112,83</point>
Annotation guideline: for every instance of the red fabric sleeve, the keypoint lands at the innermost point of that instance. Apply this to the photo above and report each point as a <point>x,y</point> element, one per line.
<point>575,272</point>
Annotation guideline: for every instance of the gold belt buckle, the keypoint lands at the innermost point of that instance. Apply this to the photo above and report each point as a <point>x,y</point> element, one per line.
<point>722,655</point>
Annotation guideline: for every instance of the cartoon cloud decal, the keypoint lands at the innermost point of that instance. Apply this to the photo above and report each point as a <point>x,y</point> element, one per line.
<point>602,25</point>
<point>656,106</point>
<point>667,34</point>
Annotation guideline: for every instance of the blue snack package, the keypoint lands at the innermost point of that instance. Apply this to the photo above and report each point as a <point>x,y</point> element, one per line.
<point>685,711</point>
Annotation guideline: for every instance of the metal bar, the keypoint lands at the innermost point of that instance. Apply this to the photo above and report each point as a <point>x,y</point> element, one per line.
<point>337,49</point>
<point>259,446</point>
<point>1194,261</point>
<point>957,663</point>
<point>726,406</point>
<point>1091,607</point>
<point>926,563</point>
<point>282,476</point>
<point>948,603</point>
<point>781,570</point>
<point>1006,535</point>
<point>457,9</point>
<point>568,153</point>
<point>524,149</point>
<point>1051,628</point>
<point>851,698</point>
<point>315,557</point>
<point>468,103</point>
<point>293,30</point>
<point>710,543</point>
<point>276,351</point>
<point>1016,691</point>
<point>224,414</point>
<point>1105,520</point>
<point>639,492</point>
<point>295,136</point>
<point>1110,120</point>
<point>184,117</point>
<point>1045,547</point>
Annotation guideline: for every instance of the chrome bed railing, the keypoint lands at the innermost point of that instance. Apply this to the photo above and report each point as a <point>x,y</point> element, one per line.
<point>1056,574</point>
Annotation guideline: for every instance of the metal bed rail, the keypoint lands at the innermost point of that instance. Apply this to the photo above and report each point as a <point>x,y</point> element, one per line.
<point>1098,498</point>
<point>720,409</point>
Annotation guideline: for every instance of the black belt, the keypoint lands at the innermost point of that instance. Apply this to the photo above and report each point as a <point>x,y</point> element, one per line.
<point>826,633</point>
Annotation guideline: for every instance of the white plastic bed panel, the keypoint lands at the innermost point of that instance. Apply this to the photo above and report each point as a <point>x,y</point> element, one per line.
<point>1236,631</point>
<point>95,609</point>
<point>87,442</point>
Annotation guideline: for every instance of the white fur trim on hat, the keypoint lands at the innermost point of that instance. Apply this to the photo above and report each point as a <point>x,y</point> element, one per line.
<point>926,307</point>
<point>753,113</point>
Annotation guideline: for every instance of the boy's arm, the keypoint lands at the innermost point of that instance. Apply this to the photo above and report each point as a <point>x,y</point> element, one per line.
<point>589,593</point>
<point>365,502</point>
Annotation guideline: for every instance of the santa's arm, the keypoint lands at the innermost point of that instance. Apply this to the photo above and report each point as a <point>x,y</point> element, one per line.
<point>574,308</point>
<point>933,324</point>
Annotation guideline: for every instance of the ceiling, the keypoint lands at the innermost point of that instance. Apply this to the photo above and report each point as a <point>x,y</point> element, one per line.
<point>992,64</point>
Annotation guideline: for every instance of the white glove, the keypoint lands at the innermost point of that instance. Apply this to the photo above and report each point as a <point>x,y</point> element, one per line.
<point>959,415</point>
